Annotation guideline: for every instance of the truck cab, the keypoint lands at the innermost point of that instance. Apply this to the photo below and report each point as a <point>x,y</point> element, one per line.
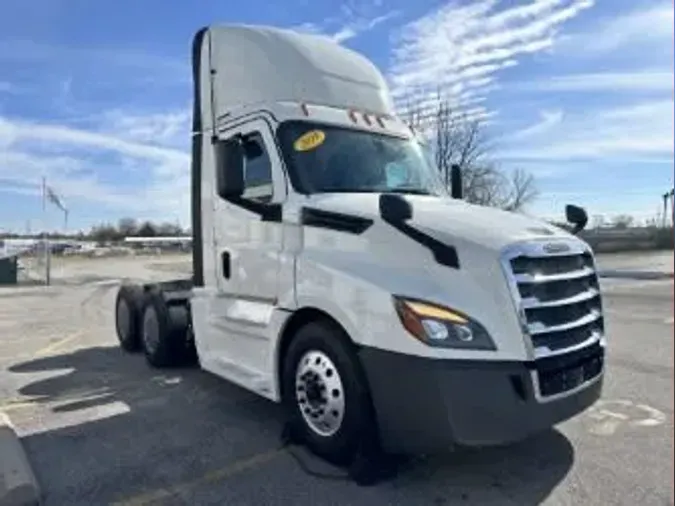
<point>334,272</point>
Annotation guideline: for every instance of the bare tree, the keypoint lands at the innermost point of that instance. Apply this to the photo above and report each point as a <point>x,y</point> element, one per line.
<point>127,227</point>
<point>459,139</point>
<point>598,221</point>
<point>147,229</point>
<point>168,230</point>
<point>622,221</point>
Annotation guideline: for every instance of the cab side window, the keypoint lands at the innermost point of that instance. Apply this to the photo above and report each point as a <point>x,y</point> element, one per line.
<point>257,169</point>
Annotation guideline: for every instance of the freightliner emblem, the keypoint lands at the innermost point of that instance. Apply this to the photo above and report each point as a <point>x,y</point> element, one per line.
<point>556,247</point>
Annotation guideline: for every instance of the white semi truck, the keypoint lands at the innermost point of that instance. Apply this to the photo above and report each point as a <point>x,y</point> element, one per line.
<point>334,272</point>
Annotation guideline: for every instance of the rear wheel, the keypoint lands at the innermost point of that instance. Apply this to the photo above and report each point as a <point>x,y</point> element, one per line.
<point>128,315</point>
<point>165,337</point>
<point>326,394</point>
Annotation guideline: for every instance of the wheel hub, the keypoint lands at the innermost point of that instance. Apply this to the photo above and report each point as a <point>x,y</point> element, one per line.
<point>319,393</point>
<point>313,390</point>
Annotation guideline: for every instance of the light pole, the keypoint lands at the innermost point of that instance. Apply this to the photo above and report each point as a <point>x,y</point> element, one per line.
<point>665,197</point>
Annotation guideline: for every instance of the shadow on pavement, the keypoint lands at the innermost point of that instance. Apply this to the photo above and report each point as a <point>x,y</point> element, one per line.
<point>106,427</point>
<point>123,428</point>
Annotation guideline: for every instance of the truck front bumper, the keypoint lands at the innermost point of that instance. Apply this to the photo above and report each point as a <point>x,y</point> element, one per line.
<point>429,405</point>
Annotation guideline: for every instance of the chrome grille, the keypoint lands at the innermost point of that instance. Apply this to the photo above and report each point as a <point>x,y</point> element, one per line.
<point>557,294</point>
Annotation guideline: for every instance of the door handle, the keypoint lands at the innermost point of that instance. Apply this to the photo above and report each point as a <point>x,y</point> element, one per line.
<point>225,264</point>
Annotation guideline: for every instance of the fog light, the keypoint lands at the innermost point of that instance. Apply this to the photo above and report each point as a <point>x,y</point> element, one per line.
<point>464,333</point>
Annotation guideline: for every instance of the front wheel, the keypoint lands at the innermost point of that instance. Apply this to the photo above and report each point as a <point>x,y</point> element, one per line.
<point>325,393</point>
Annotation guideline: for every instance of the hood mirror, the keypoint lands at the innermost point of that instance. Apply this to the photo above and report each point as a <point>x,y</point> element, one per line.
<point>395,208</point>
<point>577,216</point>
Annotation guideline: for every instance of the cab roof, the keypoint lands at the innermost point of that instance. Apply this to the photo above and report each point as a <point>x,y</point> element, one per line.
<point>249,64</point>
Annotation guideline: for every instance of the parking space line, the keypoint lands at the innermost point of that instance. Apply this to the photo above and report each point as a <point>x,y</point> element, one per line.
<point>43,352</point>
<point>229,471</point>
<point>19,403</point>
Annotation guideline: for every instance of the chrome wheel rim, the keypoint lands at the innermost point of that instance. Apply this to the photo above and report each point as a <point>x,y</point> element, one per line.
<point>319,393</point>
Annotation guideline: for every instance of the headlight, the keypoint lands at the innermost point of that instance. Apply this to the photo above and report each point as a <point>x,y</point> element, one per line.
<point>442,327</point>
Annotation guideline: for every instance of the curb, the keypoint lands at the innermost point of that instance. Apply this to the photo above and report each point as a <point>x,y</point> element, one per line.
<point>626,274</point>
<point>18,486</point>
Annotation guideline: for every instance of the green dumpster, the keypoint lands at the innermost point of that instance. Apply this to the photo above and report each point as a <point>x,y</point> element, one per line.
<point>8,270</point>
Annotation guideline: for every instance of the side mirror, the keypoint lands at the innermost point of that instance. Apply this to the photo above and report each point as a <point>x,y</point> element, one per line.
<point>229,156</point>
<point>394,208</point>
<point>456,184</point>
<point>576,216</point>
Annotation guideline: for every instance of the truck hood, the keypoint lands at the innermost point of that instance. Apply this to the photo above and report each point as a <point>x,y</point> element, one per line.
<point>444,217</point>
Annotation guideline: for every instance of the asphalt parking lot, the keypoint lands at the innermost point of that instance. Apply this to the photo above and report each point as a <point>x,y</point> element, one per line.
<point>100,427</point>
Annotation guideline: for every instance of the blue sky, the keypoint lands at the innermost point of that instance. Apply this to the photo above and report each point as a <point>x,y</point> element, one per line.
<point>96,95</point>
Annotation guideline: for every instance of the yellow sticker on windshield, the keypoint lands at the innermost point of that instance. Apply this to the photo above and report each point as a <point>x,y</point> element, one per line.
<point>309,140</point>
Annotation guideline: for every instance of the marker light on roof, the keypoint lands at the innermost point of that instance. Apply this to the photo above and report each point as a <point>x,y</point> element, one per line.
<point>305,109</point>
<point>366,118</point>
<point>352,115</point>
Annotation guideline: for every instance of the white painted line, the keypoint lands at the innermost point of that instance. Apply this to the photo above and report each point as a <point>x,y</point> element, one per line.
<point>107,282</point>
<point>608,416</point>
<point>35,426</point>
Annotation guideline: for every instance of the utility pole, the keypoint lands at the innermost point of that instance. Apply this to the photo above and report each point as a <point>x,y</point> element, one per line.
<point>664,219</point>
<point>45,236</point>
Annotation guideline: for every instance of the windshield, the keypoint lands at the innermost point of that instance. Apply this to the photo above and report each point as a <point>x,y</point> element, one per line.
<point>337,159</point>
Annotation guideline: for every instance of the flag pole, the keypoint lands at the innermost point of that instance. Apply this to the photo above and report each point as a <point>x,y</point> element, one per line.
<point>45,237</point>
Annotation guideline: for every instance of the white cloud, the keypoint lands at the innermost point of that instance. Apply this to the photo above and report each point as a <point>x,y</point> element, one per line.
<point>637,132</point>
<point>166,129</point>
<point>455,45</point>
<point>354,19</point>
<point>360,25</point>
<point>63,135</point>
<point>548,120</point>
<point>307,28</point>
<point>162,190</point>
<point>636,81</point>
<point>641,26</point>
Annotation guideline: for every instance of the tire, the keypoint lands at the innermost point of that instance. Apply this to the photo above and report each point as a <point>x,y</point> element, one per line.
<point>164,334</point>
<point>128,314</point>
<point>341,436</point>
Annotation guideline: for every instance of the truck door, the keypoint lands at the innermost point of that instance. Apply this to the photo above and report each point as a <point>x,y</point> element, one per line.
<point>248,243</point>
